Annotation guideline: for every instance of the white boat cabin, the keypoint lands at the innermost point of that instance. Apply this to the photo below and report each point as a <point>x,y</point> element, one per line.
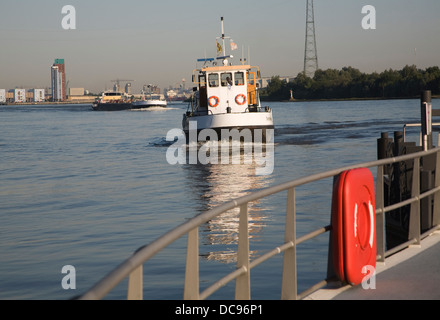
<point>227,89</point>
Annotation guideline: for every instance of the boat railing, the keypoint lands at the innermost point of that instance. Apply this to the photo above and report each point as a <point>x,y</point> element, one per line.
<point>133,266</point>
<point>409,125</point>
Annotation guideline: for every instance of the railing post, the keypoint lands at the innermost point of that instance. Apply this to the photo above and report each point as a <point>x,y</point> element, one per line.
<point>380,217</point>
<point>414,218</point>
<point>436,211</point>
<point>289,284</point>
<point>191,290</point>
<point>242,283</point>
<point>135,284</point>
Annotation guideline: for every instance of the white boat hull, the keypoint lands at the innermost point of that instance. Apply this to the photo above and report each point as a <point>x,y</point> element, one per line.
<point>150,103</point>
<point>229,121</point>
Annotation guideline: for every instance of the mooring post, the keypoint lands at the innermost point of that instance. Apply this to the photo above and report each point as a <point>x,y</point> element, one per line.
<point>426,108</point>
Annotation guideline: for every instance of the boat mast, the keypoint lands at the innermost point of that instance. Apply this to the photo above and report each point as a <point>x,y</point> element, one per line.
<point>224,57</point>
<point>223,37</point>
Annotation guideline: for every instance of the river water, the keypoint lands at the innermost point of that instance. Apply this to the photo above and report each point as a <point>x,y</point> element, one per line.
<point>86,189</point>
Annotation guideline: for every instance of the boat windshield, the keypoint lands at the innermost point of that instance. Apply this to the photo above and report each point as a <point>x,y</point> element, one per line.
<point>226,79</point>
<point>213,79</point>
<point>239,78</point>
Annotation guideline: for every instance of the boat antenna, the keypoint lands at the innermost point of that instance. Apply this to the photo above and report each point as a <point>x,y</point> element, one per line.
<point>223,37</point>
<point>224,57</point>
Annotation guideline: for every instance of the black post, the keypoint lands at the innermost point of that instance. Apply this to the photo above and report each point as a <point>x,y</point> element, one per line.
<point>384,149</point>
<point>426,108</point>
<point>382,145</point>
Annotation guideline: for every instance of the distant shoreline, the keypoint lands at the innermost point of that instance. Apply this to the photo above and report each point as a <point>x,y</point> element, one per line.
<point>47,103</point>
<point>262,100</point>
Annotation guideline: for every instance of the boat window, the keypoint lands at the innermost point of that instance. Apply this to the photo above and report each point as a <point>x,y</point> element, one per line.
<point>202,80</point>
<point>226,79</point>
<point>239,78</point>
<point>213,79</point>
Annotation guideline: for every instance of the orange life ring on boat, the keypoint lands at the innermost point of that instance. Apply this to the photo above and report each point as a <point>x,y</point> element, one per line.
<point>243,99</point>
<point>215,103</point>
<point>353,225</point>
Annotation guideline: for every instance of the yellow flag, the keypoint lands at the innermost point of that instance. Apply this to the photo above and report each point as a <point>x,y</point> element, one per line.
<point>219,48</point>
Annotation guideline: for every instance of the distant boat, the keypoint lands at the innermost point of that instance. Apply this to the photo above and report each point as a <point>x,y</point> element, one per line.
<point>116,101</point>
<point>151,100</point>
<point>227,97</point>
<point>112,101</point>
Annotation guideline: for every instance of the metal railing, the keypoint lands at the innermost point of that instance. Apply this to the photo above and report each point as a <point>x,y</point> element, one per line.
<point>409,125</point>
<point>133,267</point>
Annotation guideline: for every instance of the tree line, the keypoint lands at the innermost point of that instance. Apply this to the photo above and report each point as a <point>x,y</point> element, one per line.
<point>350,83</point>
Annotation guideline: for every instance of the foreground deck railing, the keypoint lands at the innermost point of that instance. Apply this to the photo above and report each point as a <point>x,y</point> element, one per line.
<point>132,267</point>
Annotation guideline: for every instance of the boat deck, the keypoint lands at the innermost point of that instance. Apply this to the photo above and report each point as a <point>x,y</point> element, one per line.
<point>411,274</point>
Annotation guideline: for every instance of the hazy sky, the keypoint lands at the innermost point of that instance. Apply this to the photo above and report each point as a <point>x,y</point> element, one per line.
<point>159,41</point>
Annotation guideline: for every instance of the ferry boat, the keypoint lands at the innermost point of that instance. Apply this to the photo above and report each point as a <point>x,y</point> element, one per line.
<point>226,97</point>
<point>150,100</point>
<point>112,101</point>
<point>153,101</point>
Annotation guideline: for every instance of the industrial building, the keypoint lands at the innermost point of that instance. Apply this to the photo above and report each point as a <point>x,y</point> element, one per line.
<point>78,95</point>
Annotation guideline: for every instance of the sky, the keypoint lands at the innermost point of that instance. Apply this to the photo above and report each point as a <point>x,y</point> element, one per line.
<point>158,42</point>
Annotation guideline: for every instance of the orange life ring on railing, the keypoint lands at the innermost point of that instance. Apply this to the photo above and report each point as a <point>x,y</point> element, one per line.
<point>353,225</point>
<point>243,98</point>
<point>215,103</point>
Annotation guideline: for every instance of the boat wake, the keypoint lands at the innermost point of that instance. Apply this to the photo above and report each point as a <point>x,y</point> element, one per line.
<point>155,109</point>
<point>317,133</point>
<point>161,142</point>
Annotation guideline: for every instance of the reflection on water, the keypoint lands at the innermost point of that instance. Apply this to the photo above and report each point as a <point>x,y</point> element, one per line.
<point>214,184</point>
